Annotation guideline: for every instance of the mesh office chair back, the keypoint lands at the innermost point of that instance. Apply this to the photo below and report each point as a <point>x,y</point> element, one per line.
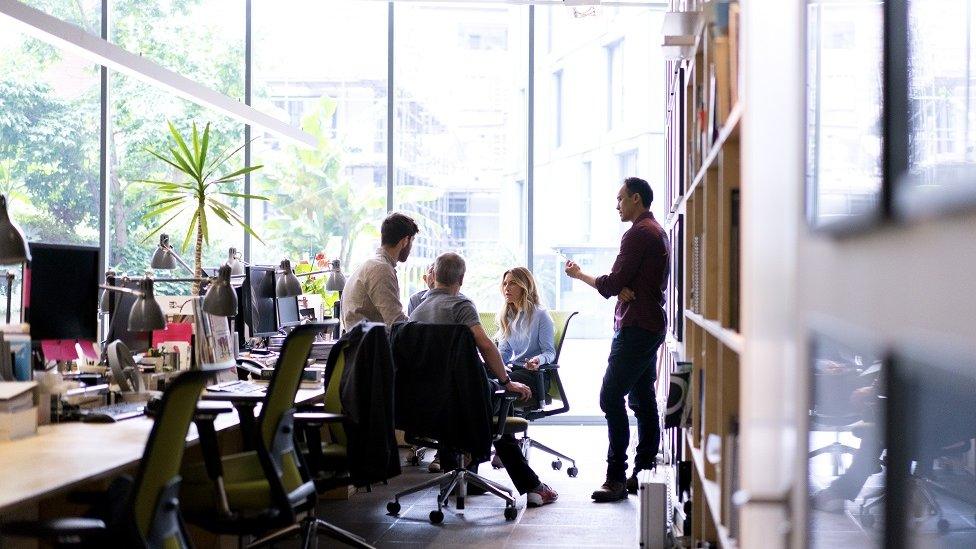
<point>156,484</point>
<point>333,404</point>
<point>560,320</point>
<point>280,400</point>
<point>490,325</point>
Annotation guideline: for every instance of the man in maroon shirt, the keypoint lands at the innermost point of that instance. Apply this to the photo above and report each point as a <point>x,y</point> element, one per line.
<point>639,278</point>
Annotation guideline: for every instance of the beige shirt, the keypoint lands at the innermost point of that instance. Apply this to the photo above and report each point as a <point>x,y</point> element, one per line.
<point>372,293</point>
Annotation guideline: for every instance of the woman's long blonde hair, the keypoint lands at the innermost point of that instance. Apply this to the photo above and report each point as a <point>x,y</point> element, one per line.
<point>527,304</point>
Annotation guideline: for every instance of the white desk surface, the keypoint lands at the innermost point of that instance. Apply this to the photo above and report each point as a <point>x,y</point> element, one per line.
<point>65,455</point>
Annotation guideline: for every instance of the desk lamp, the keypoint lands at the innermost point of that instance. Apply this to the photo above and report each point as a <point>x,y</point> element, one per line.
<point>221,299</point>
<point>146,315</point>
<point>288,284</point>
<point>165,257</point>
<point>13,247</point>
<point>234,262</point>
<point>336,283</point>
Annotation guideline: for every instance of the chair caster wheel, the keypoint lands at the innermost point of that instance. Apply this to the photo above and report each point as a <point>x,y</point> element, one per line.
<point>572,472</point>
<point>511,513</point>
<point>943,526</point>
<point>557,465</point>
<point>436,517</point>
<point>393,508</point>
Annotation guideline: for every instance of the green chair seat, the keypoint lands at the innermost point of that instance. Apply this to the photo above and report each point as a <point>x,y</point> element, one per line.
<point>244,481</point>
<point>515,425</point>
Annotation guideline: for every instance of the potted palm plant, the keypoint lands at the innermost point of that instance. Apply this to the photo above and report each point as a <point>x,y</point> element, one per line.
<point>200,194</point>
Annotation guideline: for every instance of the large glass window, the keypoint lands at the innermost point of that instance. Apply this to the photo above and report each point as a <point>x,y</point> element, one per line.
<point>326,72</point>
<point>584,225</point>
<point>843,110</point>
<point>459,138</point>
<point>49,138</point>
<point>201,40</point>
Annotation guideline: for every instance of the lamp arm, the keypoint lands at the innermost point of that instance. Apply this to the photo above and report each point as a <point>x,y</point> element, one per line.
<point>184,264</point>
<point>122,290</point>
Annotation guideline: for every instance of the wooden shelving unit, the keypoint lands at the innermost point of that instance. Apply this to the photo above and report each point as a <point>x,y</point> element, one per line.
<point>704,116</point>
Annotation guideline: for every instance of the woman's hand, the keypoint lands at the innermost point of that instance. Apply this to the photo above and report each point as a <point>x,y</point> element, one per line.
<point>532,364</point>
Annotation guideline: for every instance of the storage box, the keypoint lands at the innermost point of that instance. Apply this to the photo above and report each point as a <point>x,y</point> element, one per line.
<point>18,424</point>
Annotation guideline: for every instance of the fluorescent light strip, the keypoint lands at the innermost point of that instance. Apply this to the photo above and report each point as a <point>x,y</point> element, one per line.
<point>73,39</point>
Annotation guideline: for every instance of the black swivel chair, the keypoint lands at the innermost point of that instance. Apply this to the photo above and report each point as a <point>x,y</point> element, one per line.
<point>466,397</point>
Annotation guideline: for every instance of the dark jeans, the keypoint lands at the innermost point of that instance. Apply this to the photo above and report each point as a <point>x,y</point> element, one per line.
<point>631,371</point>
<point>515,463</point>
<point>536,381</point>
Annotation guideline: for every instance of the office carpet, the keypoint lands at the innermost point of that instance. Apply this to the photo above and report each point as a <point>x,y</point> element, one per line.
<point>573,521</point>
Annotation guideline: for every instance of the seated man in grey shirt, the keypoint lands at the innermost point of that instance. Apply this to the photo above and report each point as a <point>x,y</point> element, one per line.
<point>444,305</point>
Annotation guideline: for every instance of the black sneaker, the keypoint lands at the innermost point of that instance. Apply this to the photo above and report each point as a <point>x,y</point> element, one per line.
<point>612,490</point>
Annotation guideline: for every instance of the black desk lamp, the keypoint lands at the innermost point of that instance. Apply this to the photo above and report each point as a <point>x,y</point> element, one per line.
<point>146,314</point>
<point>13,248</point>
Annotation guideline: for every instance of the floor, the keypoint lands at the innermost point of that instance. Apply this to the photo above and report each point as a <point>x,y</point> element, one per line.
<point>848,529</point>
<point>573,521</point>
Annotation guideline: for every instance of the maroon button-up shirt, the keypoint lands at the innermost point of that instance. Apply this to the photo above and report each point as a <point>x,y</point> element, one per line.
<point>643,265</point>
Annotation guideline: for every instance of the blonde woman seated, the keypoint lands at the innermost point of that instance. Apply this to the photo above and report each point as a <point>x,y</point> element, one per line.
<point>526,336</point>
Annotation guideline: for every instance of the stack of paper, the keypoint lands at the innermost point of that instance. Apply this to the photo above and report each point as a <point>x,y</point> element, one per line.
<point>18,415</point>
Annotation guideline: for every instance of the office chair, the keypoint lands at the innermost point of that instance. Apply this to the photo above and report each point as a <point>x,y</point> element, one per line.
<point>264,491</point>
<point>490,325</point>
<point>466,396</point>
<point>833,412</point>
<point>150,516</point>
<point>327,460</point>
<point>555,401</point>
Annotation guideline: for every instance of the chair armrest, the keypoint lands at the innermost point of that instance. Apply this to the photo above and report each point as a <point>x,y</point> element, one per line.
<point>210,409</point>
<point>314,419</point>
<point>54,528</point>
<point>548,366</point>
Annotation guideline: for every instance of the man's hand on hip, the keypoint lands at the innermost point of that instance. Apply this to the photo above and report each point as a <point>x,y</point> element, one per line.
<point>626,295</point>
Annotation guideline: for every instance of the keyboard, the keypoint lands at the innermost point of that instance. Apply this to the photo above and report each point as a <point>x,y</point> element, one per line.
<point>237,387</point>
<point>113,412</point>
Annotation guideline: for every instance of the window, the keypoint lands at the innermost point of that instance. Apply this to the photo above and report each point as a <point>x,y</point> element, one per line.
<point>332,198</point>
<point>459,137</point>
<point>557,94</point>
<point>627,165</point>
<point>578,176</point>
<point>49,138</point>
<point>204,42</point>
<point>615,93</point>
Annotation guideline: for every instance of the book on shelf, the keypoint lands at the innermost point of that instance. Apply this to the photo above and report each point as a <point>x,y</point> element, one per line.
<point>734,261</point>
<point>696,255</point>
<point>734,26</point>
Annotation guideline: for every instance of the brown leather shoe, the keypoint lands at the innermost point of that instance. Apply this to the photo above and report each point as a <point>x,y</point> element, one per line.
<point>612,490</point>
<point>632,484</point>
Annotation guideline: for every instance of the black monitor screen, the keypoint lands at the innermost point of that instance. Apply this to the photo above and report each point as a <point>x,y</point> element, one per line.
<point>288,311</point>
<point>63,299</point>
<point>260,291</point>
<point>120,305</point>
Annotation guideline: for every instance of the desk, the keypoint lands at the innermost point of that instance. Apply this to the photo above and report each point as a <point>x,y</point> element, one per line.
<point>63,456</point>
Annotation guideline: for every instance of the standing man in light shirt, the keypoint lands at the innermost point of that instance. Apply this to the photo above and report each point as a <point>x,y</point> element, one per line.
<point>372,292</point>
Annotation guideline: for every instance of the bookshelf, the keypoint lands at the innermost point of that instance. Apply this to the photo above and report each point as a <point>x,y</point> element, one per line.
<point>703,185</point>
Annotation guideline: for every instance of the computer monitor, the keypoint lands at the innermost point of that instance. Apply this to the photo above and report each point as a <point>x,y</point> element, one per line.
<point>120,307</point>
<point>261,304</point>
<point>63,292</point>
<point>288,312</point>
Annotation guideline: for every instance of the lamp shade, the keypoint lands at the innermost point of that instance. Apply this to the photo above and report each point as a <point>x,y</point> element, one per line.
<point>163,257</point>
<point>221,299</point>
<point>146,315</point>
<point>336,281</point>
<point>13,246</point>
<point>103,303</point>
<point>288,284</point>
<point>235,264</point>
